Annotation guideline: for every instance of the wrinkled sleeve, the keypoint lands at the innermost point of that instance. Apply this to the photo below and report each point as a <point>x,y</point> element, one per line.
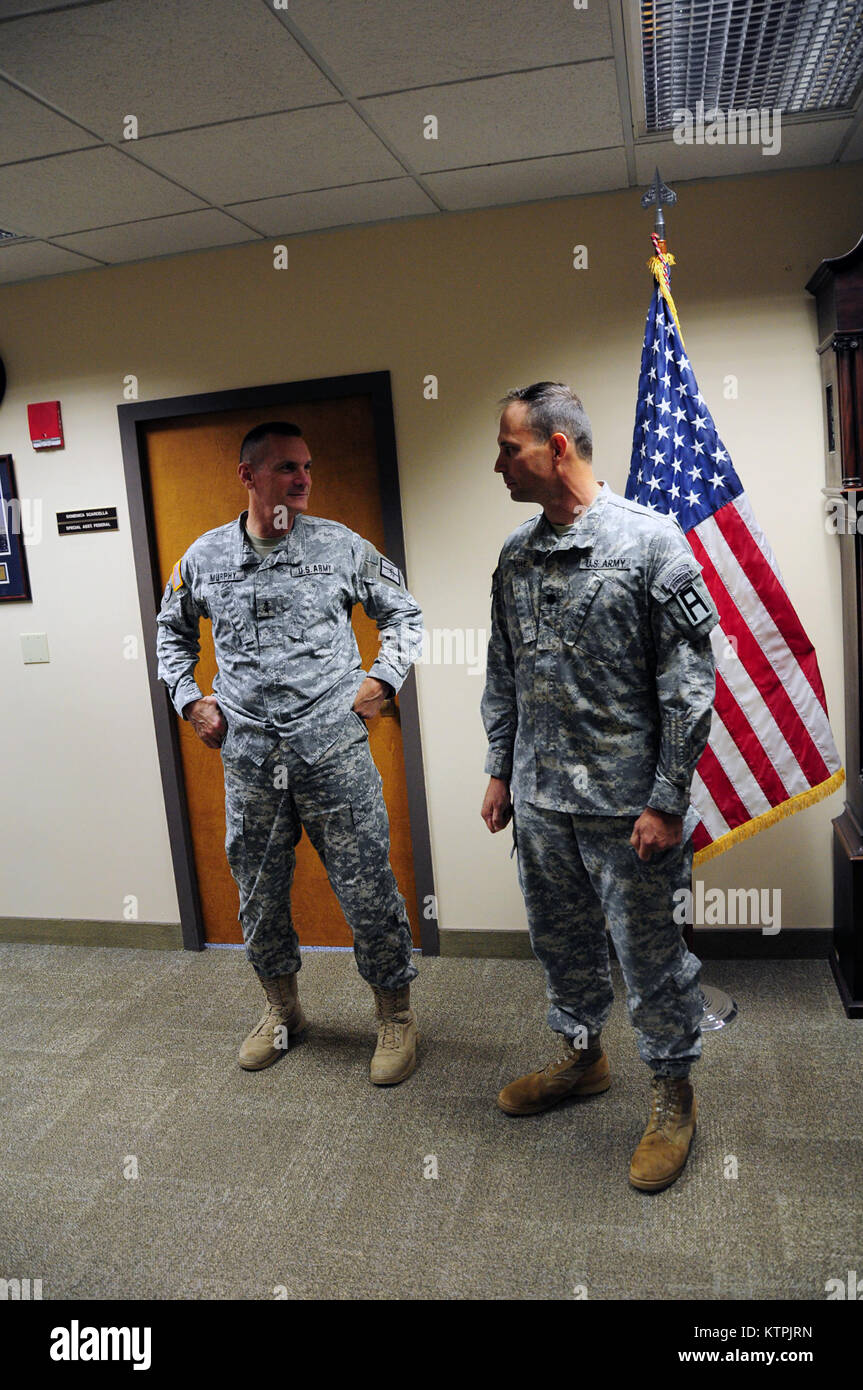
<point>177,636</point>
<point>498,707</point>
<point>381,590</point>
<point>682,615</point>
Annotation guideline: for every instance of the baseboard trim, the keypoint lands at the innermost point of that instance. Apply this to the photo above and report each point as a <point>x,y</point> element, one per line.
<point>500,945</point>
<point>151,936</point>
<point>711,943</point>
<point>748,943</point>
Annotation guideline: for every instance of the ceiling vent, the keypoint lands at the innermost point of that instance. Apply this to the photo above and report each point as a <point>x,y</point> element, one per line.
<point>790,55</point>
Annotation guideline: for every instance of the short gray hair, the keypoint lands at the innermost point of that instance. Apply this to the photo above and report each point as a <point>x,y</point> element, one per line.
<point>281,428</point>
<point>553,409</point>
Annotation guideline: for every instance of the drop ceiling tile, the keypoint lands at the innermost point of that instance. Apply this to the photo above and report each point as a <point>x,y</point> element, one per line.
<point>160,236</point>
<point>30,130</point>
<point>28,260</point>
<point>799,143</point>
<point>336,207</point>
<point>273,155</point>
<point>72,192</point>
<point>503,119</point>
<point>168,62</point>
<point>385,47</point>
<point>559,176</point>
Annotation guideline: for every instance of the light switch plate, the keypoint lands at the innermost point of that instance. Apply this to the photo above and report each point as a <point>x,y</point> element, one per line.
<point>34,645</point>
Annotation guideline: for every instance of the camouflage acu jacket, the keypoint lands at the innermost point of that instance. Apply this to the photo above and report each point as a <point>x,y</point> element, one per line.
<point>288,661</point>
<point>600,677</point>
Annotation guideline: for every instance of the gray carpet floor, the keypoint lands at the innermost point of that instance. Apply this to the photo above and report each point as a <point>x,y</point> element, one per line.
<point>306,1180</point>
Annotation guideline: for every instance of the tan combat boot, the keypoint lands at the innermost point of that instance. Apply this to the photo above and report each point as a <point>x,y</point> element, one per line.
<point>396,1053</point>
<point>664,1146</point>
<point>580,1072</point>
<point>264,1045</point>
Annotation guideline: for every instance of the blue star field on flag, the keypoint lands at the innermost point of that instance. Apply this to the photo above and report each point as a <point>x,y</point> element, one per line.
<point>679,464</point>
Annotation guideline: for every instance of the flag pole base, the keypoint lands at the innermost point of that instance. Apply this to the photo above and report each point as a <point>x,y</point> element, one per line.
<point>719,1009</point>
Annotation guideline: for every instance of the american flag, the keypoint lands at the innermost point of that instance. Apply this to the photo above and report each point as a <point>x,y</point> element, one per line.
<point>770,750</point>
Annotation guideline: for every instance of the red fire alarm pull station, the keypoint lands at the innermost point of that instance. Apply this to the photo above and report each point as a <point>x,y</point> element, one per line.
<point>46,427</point>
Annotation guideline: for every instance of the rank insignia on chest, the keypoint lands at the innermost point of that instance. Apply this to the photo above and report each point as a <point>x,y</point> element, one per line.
<point>300,571</point>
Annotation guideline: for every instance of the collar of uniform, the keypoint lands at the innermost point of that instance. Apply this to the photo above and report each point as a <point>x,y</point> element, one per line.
<point>243,554</point>
<point>290,551</point>
<point>583,533</point>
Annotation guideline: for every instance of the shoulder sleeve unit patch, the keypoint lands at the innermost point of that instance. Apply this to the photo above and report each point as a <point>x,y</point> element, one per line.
<point>176,577</point>
<point>681,590</point>
<point>694,603</point>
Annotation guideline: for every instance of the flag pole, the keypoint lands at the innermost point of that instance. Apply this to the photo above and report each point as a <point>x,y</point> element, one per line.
<point>658,193</point>
<point>719,1008</point>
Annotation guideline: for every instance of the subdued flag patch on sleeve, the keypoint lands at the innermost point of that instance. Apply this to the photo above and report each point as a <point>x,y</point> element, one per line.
<point>176,577</point>
<point>377,567</point>
<point>390,571</point>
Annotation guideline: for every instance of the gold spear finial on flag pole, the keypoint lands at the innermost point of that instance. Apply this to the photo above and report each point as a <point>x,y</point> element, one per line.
<point>658,265</point>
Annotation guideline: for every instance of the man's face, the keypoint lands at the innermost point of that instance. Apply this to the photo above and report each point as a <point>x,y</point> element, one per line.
<point>282,476</point>
<point>523,461</point>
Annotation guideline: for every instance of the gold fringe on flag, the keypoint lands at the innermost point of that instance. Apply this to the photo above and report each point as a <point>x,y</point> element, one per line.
<point>658,267</point>
<point>776,813</point>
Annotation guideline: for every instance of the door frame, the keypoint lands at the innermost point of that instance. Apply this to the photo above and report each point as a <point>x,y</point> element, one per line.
<point>134,417</point>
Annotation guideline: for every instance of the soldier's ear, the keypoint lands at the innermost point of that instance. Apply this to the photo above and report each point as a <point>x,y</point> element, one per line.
<point>559,444</point>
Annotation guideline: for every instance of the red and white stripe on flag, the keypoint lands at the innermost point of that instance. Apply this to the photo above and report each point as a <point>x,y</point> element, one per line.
<point>770,749</point>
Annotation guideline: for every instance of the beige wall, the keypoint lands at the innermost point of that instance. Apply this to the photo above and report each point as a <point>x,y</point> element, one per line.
<point>485,301</point>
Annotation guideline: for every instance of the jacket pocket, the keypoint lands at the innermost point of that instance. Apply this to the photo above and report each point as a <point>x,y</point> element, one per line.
<point>230,624</point>
<point>296,614</point>
<point>585,606</point>
<point>312,611</point>
<point>362,723</point>
<point>523,605</point>
<point>608,625</point>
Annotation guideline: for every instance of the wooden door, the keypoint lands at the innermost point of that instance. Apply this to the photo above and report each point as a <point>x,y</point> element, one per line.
<point>192,465</point>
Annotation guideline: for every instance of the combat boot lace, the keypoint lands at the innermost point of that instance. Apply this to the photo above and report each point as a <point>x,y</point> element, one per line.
<point>578,1072</point>
<point>664,1147</point>
<point>395,1056</point>
<point>283,1019</point>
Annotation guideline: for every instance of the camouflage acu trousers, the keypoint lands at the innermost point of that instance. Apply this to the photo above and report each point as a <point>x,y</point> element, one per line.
<point>340,802</point>
<point>578,871</point>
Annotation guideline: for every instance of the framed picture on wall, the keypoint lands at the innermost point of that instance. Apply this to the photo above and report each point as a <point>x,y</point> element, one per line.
<point>14,579</point>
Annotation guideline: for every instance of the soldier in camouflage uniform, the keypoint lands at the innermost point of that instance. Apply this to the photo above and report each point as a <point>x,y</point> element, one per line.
<point>289,712</point>
<point>597,708</point>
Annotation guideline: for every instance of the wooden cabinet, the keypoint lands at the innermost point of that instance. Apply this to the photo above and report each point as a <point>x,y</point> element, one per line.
<point>838,289</point>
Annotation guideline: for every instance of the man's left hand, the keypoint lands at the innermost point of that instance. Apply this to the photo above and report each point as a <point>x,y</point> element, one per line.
<point>655,831</point>
<point>370,696</point>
